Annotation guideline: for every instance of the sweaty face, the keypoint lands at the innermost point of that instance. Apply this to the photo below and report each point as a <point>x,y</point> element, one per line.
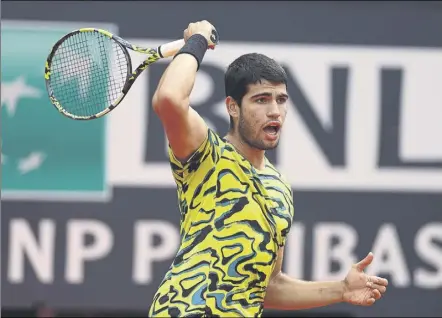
<point>262,114</point>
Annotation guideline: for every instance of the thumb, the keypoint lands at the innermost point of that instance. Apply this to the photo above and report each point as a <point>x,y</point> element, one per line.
<point>365,262</point>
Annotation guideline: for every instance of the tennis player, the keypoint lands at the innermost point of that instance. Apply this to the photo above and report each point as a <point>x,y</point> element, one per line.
<point>236,208</point>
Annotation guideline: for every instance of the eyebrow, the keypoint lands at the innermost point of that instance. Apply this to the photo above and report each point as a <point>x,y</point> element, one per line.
<point>269,95</point>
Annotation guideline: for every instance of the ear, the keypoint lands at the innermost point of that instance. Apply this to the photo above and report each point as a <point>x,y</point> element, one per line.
<point>232,107</point>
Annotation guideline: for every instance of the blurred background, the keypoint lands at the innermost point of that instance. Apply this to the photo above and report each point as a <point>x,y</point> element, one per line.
<point>89,212</point>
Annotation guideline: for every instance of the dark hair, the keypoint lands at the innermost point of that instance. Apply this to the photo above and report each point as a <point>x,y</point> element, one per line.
<point>250,69</point>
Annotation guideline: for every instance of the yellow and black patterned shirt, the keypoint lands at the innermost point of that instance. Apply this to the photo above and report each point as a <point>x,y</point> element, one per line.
<point>234,218</point>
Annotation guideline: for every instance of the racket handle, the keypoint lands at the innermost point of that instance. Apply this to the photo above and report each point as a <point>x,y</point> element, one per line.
<point>172,48</point>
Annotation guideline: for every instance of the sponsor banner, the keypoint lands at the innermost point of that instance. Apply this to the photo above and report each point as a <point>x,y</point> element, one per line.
<point>98,255</point>
<point>45,156</point>
<point>360,118</point>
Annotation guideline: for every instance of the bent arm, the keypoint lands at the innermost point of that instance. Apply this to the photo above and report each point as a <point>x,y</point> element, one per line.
<point>184,128</point>
<point>286,293</point>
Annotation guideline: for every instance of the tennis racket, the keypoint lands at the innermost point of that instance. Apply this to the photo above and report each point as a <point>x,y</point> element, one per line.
<point>89,71</point>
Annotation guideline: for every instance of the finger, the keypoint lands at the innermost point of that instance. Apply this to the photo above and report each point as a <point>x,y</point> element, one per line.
<point>207,23</point>
<point>370,301</point>
<point>379,280</point>
<point>365,262</point>
<point>376,294</point>
<point>381,288</point>
<point>186,34</point>
<point>190,29</point>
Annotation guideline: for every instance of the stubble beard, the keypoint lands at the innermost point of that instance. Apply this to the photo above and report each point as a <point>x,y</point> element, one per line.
<point>245,131</point>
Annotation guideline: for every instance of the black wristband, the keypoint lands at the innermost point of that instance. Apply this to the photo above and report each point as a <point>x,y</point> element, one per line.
<point>196,46</point>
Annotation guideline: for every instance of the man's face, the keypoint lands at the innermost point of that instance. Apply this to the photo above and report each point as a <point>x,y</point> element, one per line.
<point>262,114</point>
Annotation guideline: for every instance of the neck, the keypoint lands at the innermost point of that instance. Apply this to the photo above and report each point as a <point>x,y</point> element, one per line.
<point>255,156</point>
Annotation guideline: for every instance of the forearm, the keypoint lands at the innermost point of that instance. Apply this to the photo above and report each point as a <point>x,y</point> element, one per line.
<point>286,293</point>
<point>178,80</point>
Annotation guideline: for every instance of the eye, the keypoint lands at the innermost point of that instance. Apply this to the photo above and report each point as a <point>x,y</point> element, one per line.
<point>261,100</point>
<point>282,100</point>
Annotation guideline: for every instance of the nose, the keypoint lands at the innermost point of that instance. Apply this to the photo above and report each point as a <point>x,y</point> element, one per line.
<point>273,112</point>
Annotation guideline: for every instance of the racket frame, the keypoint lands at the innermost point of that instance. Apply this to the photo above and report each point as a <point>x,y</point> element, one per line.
<point>131,76</point>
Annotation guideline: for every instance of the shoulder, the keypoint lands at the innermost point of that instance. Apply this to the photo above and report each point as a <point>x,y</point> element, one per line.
<point>275,171</point>
<point>214,138</point>
<point>208,153</point>
<point>278,176</point>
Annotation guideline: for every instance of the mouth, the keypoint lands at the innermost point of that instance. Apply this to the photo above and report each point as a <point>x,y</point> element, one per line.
<point>272,128</point>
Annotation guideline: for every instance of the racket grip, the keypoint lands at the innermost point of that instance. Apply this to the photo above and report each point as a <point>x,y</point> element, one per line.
<point>171,48</point>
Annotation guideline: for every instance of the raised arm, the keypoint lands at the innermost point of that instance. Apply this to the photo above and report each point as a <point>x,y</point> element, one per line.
<point>184,127</point>
<point>357,288</point>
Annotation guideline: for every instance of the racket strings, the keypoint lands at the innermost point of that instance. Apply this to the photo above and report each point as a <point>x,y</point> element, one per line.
<point>88,73</point>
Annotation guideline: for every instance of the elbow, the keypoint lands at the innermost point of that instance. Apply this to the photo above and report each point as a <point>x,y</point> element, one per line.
<point>166,101</point>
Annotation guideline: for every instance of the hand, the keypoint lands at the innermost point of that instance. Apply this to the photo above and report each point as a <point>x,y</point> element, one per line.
<point>202,27</point>
<point>360,288</point>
